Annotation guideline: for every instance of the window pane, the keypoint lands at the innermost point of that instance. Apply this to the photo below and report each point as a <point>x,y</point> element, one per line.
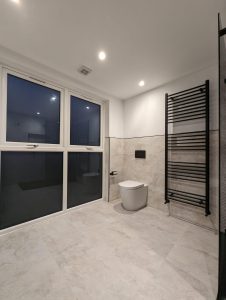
<point>33,112</point>
<point>84,177</point>
<point>85,122</point>
<point>30,186</point>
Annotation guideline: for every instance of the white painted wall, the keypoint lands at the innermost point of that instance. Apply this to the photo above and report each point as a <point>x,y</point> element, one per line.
<point>144,115</point>
<point>116,118</point>
<point>23,64</point>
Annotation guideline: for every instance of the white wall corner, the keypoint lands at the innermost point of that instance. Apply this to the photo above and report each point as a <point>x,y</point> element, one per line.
<point>144,115</point>
<point>116,118</point>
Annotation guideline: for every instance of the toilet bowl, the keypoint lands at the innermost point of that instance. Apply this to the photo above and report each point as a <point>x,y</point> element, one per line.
<point>133,194</point>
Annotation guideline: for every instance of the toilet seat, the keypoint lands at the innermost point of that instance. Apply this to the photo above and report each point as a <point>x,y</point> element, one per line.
<point>131,185</point>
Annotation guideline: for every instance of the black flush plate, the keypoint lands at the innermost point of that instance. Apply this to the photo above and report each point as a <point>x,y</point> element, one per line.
<point>140,154</point>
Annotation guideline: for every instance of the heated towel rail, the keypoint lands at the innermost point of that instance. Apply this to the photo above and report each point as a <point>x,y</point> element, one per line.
<point>187,108</point>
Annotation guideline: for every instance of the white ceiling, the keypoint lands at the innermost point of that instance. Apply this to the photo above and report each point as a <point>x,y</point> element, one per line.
<point>154,40</point>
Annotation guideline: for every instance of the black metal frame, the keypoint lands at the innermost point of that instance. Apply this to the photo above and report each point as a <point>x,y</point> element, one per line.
<point>187,105</point>
<point>222,234</point>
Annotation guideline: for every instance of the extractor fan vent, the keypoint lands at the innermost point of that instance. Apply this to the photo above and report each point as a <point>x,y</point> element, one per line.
<point>84,70</point>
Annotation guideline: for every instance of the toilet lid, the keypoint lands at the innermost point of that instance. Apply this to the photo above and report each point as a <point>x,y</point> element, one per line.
<point>129,184</point>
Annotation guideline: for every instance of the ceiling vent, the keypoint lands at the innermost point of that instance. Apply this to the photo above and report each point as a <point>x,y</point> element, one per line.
<point>84,70</point>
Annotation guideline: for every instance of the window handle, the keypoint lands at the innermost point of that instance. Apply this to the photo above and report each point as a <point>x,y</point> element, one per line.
<point>32,146</point>
<point>89,148</point>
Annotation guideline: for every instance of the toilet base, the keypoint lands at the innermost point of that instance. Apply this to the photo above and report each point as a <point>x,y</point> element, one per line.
<point>134,199</point>
<point>129,209</point>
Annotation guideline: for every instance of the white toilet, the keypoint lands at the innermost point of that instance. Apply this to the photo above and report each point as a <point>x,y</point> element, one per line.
<point>134,194</point>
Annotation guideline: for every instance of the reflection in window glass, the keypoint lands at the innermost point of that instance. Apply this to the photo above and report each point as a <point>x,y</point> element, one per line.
<point>33,112</point>
<point>30,187</point>
<point>84,177</point>
<point>85,122</point>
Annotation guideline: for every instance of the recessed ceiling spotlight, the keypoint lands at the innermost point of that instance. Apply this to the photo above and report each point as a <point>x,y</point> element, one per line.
<point>16,1</point>
<point>38,113</point>
<point>53,98</point>
<point>102,55</point>
<point>141,83</point>
<point>87,107</point>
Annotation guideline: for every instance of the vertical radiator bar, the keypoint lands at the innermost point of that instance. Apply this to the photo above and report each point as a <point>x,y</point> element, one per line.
<point>207,210</point>
<point>166,148</point>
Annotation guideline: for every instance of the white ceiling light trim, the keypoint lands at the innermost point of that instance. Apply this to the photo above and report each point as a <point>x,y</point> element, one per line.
<point>102,55</point>
<point>16,1</point>
<point>141,83</point>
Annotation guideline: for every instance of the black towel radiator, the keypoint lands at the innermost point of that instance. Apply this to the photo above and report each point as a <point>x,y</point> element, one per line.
<point>188,105</point>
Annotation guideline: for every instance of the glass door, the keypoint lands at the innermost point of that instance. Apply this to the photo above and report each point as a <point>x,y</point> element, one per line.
<point>222,164</point>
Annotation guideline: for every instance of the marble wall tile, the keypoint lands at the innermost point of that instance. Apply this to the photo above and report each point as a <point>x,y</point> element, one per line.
<point>152,171</point>
<point>116,164</point>
<point>214,177</point>
<point>149,170</point>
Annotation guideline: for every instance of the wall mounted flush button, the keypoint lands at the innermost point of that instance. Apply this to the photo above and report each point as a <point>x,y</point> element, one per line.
<point>113,173</point>
<point>140,154</point>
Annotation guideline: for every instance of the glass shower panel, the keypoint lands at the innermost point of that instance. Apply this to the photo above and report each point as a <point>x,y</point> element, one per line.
<point>222,103</point>
<point>31,185</point>
<point>33,112</point>
<point>85,122</point>
<point>84,177</point>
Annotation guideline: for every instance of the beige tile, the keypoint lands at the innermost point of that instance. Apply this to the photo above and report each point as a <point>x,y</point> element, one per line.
<point>152,171</point>
<point>100,251</point>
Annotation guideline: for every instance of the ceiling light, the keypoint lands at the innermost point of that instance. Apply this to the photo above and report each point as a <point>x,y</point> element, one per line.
<point>102,55</point>
<point>16,1</point>
<point>38,113</point>
<point>141,83</point>
<point>53,99</point>
<point>87,107</point>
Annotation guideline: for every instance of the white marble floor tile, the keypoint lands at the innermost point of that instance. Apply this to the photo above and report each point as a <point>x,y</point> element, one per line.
<point>100,252</point>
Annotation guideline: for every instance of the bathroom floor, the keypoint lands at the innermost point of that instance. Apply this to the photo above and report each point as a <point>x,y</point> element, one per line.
<point>99,251</point>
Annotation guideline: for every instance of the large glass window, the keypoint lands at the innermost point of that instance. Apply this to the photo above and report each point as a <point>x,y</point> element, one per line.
<point>85,122</point>
<point>30,186</point>
<point>33,112</point>
<point>84,177</point>
<point>31,176</point>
